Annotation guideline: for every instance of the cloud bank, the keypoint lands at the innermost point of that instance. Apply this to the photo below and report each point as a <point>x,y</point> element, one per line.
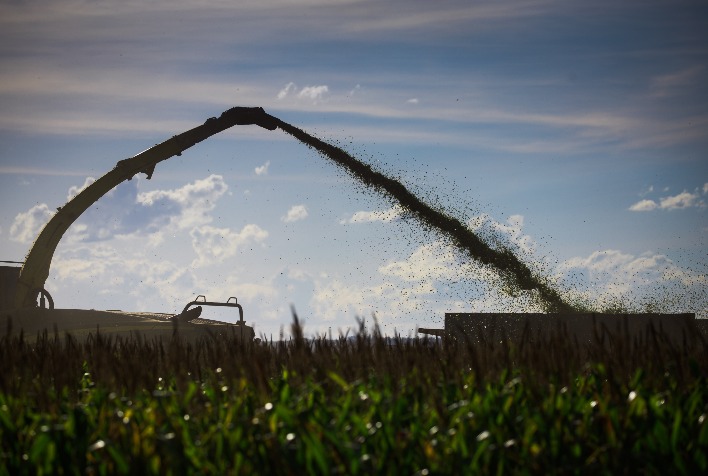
<point>435,278</point>
<point>124,211</point>
<point>215,245</point>
<point>675,202</point>
<point>27,225</point>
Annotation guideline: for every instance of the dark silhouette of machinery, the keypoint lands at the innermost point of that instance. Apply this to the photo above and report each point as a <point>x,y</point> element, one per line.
<point>22,289</point>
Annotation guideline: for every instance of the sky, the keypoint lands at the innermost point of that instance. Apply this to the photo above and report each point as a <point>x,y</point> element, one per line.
<point>574,133</point>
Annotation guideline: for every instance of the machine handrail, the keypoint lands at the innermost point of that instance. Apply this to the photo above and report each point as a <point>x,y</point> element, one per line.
<point>204,302</point>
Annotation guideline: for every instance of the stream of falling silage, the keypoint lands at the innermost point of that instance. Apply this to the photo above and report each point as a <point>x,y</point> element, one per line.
<point>515,272</point>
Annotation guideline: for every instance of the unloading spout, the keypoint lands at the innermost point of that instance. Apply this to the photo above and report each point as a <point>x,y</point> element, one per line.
<point>244,116</point>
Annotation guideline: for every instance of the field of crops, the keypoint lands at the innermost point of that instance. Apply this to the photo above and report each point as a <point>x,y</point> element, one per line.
<point>362,405</point>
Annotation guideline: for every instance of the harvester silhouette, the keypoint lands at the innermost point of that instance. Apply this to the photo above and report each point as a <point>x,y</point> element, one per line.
<point>25,288</point>
<point>20,291</point>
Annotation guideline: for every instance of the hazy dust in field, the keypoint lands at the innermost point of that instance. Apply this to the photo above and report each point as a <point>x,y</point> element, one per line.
<point>515,273</point>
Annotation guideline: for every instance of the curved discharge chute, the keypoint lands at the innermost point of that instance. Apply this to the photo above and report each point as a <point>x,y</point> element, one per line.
<point>35,271</point>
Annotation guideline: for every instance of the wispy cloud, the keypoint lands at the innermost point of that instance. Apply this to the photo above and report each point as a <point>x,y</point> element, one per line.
<point>313,92</point>
<point>21,170</point>
<point>355,91</point>
<point>263,169</point>
<point>116,108</point>
<point>43,32</point>
<point>381,18</point>
<point>77,189</point>
<point>283,93</point>
<point>647,191</point>
<point>677,82</point>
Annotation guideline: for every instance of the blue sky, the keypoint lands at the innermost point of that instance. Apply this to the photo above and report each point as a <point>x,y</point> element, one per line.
<point>573,132</point>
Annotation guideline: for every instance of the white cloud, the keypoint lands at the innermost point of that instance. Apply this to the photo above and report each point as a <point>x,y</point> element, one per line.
<point>650,280</point>
<point>296,213</point>
<point>109,83</point>
<point>116,213</point>
<point>123,212</point>
<point>432,262</point>
<point>263,169</point>
<point>283,93</point>
<point>644,206</point>
<point>86,263</point>
<point>313,92</point>
<point>705,188</point>
<point>384,216</point>
<point>118,275</point>
<point>187,206</point>
<point>413,101</point>
<point>332,298</point>
<point>125,274</point>
<point>509,235</point>
<point>27,225</point>
<point>213,245</point>
<point>75,190</point>
<point>435,278</point>
<point>249,291</point>
<point>682,200</point>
